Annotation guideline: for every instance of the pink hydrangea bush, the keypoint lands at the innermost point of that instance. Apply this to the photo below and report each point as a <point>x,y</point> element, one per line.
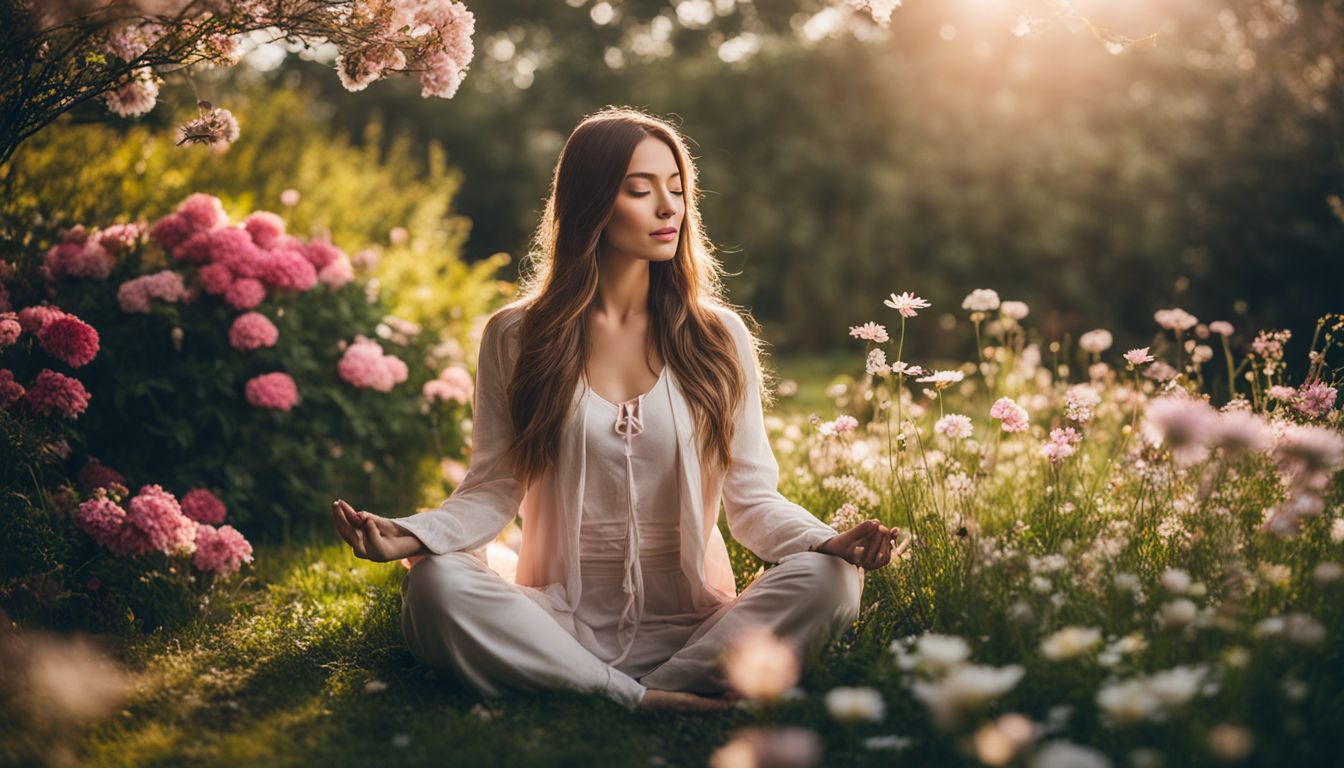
<point>221,551</point>
<point>201,505</point>
<point>365,365</point>
<point>70,340</point>
<point>272,390</point>
<point>454,384</point>
<point>252,330</point>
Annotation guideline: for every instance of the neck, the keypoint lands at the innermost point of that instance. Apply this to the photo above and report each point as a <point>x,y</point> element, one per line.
<point>622,287</point>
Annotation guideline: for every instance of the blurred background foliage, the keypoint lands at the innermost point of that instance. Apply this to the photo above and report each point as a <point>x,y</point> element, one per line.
<point>842,161</point>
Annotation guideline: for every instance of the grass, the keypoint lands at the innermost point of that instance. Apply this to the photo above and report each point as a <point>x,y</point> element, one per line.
<point>287,666</point>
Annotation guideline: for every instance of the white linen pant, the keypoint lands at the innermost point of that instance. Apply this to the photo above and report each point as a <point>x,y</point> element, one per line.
<point>458,615</point>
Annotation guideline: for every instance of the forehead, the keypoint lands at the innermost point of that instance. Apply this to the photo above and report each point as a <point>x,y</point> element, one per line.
<point>652,156</point>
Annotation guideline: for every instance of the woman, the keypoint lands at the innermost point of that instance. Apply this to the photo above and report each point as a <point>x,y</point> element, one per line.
<point>623,583</point>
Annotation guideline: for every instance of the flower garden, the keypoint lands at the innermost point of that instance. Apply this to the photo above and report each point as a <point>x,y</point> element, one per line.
<point>1121,541</point>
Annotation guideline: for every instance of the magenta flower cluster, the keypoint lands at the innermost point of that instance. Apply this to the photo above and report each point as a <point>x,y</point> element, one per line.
<point>154,521</point>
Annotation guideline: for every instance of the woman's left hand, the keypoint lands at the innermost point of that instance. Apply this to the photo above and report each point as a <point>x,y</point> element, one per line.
<point>867,545</point>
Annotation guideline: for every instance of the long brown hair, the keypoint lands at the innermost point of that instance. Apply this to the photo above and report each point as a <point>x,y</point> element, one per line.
<point>557,295</point>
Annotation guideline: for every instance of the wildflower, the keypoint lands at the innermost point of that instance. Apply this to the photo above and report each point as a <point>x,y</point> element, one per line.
<point>900,367</point>
<point>70,340</point>
<point>289,198</point>
<point>1221,327</point>
<point>1202,353</point>
<point>1175,319</point>
<point>1079,402</point>
<point>1281,393</point>
<point>1138,356</point>
<point>252,330</point>
<point>845,424</point>
<point>877,362</point>
<point>1184,425</point>
<point>1240,431</point>
<point>215,126</point>
<point>759,665</point>
<point>1315,399</point>
<point>1070,642</point>
<point>1014,310</point>
<point>870,332</point>
<point>1095,342</point>
<point>906,303</point>
<point>998,742</point>
<point>52,391</point>
<point>135,95</point>
<point>1013,416</point>
<point>954,426</point>
<point>942,379</point>
<point>785,747</point>
<point>272,390</point>
<point>1177,613</point>
<point>1230,743</point>
<point>937,653</point>
<point>1175,581</point>
<point>981,300</point>
<point>964,688</point>
<point>1063,754</point>
<point>201,505</point>
<point>846,517</point>
<point>221,551</point>
<point>856,705</point>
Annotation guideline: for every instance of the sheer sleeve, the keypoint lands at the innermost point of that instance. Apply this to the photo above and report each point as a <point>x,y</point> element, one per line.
<point>759,516</point>
<point>489,496</point>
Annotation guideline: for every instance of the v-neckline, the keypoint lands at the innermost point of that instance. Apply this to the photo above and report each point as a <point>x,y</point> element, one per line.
<point>617,406</point>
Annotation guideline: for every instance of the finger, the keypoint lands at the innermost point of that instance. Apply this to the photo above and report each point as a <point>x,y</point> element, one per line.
<point>343,526</point>
<point>374,537</point>
<point>871,546</point>
<point>857,533</point>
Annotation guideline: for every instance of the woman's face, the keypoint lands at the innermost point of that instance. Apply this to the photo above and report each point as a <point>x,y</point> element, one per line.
<point>646,223</point>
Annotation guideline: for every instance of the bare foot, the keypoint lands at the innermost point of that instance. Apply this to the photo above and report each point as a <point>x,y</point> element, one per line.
<point>681,701</point>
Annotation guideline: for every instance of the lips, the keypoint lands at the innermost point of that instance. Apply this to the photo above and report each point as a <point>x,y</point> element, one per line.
<point>664,231</point>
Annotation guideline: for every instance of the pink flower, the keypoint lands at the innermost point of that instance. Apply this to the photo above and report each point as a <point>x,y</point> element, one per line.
<point>1282,393</point>
<point>321,252</point>
<point>102,519</point>
<point>357,68</point>
<point>845,424</point>
<point>215,279</point>
<point>220,551</point>
<point>365,365</point>
<point>1138,356</point>
<point>201,505</point>
<point>252,330</point>
<point>1013,416</point>
<point>70,340</point>
<point>203,212</point>
<point>135,95</point>
<point>1221,327</point>
<point>9,328</point>
<point>170,231</point>
<point>906,303</point>
<point>337,274</point>
<point>456,384</point>
<point>245,293</point>
<point>266,228</point>
<point>1175,319</point>
<point>96,475</point>
<point>1315,399</point>
<point>77,256</point>
<point>289,269</point>
<point>289,198</point>
<point>759,665</point>
<point>1057,452</point>
<point>272,390</point>
<point>158,523</point>
<point>905,369</point>
<point>11,391</point>
<point>1096,342</point>
<point>954,426</point>
<point>441,75</point>
<point>52,391</point>
<point>1066,435</point>
<point>134,295</point>
<point>119,237</point>
<point>1184,425</point>
<point>33,319</point>
<point>981,300</point>
<point>870,332</point>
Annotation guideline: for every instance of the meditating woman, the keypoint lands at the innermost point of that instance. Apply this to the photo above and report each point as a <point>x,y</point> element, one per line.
<point>618,401</point>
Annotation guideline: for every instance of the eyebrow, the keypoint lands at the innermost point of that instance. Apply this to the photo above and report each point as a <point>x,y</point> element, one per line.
<point>651,176</point>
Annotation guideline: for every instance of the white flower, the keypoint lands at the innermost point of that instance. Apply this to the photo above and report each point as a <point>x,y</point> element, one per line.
<point>759,665</point>
<point>856,705</point>
<point>941,379</point>
<point>906,303</point>
<point>939,653</point>
<point>1070,642</point>
<point>1063,754</point>
<point>965,688</point>
<point>877,362</point>
<point>981,300</point>
<point>1177,613</point>
<point>1096,342</point>
<point>1176,581</point>
<point>1176,686</point>
<point>1175,319</point>
<point>1014,310</point>
<point>1128,702</point>
<point>954,426</point>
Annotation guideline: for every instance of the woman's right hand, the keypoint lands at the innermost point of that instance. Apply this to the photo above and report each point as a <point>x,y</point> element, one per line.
<point>372,537</point>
